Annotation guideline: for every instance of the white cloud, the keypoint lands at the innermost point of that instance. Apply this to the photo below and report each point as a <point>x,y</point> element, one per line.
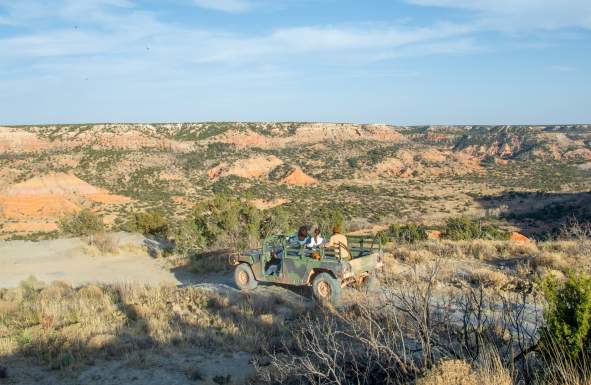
<point>126,31</point>
<point>367,42</point>
<point>225,5</point>
<point>561,68</point>
<point>523,14</point>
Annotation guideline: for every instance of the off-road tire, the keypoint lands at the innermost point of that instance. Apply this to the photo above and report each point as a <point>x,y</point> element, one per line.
<point>326,289</point>
<point>244,278</point>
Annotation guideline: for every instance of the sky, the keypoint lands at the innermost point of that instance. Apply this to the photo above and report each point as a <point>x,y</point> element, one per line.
<point>409,62</point>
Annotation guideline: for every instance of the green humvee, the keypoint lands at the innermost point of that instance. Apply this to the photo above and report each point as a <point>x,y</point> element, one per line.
<point>326,269</point>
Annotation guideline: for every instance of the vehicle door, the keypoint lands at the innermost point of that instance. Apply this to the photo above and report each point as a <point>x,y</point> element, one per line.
<point>294,266</point>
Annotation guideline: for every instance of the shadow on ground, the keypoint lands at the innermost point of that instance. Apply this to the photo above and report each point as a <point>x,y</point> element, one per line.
<point>174,335</point>
<point>538,213</point>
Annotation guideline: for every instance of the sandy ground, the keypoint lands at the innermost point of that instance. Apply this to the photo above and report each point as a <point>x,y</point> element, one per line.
<point>72,261</point>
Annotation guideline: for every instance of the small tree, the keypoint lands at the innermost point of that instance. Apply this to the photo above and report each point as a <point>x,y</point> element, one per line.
<point>187,237</point>
<point>150,223</point>
<point>568,317</point>
<point>465,229</point>
<point>408,233</point>
<point>226,222</point>
<point>274,221</point>
<point>328,218</point>
<point>85,223</point>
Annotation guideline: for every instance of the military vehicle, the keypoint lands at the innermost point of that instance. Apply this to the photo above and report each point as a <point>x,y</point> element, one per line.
<point>326,269</point>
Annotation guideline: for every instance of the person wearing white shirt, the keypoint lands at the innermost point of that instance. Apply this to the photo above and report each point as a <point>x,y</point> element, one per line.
<point>316,240</point>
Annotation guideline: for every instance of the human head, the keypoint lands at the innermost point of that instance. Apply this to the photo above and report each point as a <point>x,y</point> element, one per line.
<point>336,229</point>
<point>316,232</point>
<point>302,232</point>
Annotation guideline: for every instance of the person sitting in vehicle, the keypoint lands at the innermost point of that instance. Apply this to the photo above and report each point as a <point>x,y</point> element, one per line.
<point>339,242</point>
<point>272,267</point>
<point>316,240</point>
<point>301,239</point>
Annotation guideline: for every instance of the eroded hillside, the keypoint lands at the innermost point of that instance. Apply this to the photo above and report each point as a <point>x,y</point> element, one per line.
<point>374,173</point>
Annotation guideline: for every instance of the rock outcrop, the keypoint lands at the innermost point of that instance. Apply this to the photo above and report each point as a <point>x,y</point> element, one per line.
<point>51,196</point>
<point>255,167</point>
<point>298,177</point>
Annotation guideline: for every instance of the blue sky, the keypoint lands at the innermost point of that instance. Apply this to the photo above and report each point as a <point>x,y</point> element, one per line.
<point>374,61</point>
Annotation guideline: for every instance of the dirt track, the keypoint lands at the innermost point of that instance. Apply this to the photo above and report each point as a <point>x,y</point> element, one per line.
<point>72,261</point>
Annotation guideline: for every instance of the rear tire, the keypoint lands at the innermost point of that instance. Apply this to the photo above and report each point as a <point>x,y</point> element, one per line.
<point>326,289</point>
<point>244,278</point>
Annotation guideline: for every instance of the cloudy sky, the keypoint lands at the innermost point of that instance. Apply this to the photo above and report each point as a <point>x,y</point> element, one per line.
<point>390,61</point>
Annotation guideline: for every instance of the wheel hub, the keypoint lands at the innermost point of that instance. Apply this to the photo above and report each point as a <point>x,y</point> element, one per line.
<point>243,277</point>
<point>324,289</point>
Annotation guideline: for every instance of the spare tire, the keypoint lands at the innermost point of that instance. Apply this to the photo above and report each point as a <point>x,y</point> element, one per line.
<point>326,288</point>
<point>244,278</point>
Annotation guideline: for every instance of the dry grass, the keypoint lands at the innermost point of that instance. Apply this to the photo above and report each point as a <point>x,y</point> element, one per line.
<point>460,372</point>
<point>489,278</point>
<point>101,244</point>
<point>106,243</point>
<point>210,262</point>
<point>561,255</point>
<point>420,329</point>
<point>66,327</point>
<point>564,255</point>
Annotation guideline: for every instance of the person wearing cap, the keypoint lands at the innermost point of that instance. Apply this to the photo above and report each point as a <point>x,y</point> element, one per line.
<point>339,242</point>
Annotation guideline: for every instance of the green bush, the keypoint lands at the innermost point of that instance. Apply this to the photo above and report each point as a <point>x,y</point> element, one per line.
<point>568,317</point>
<point>327,218</point>
<point>188,239</point>
<point>465,229</point>
<point>150,223</point>
<point>408,233</point>
<point>85,223</point>
<point>274,221</point>
<point>225,222</point>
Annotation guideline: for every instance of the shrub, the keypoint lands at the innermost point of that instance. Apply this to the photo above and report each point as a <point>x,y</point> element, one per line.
<point>568,317</point>
<point>85,223</point>
<point>150,223</point>
<point>465,229</point>
<point>409,233</point>
<point>274,221</point>
<point>106,243</point>
<point>187,238</point>
<point>226,222</point>
<point>327,218</point>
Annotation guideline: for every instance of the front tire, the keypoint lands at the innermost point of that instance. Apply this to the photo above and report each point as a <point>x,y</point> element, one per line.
<point>244,278</point>
<point>326,289</point>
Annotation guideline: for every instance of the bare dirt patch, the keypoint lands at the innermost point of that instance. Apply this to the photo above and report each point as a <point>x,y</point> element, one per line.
<point>298,177</point>
<point>69,260</point>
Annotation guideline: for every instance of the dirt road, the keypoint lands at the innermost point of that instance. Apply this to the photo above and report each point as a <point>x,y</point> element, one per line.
<point>72,261</point>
